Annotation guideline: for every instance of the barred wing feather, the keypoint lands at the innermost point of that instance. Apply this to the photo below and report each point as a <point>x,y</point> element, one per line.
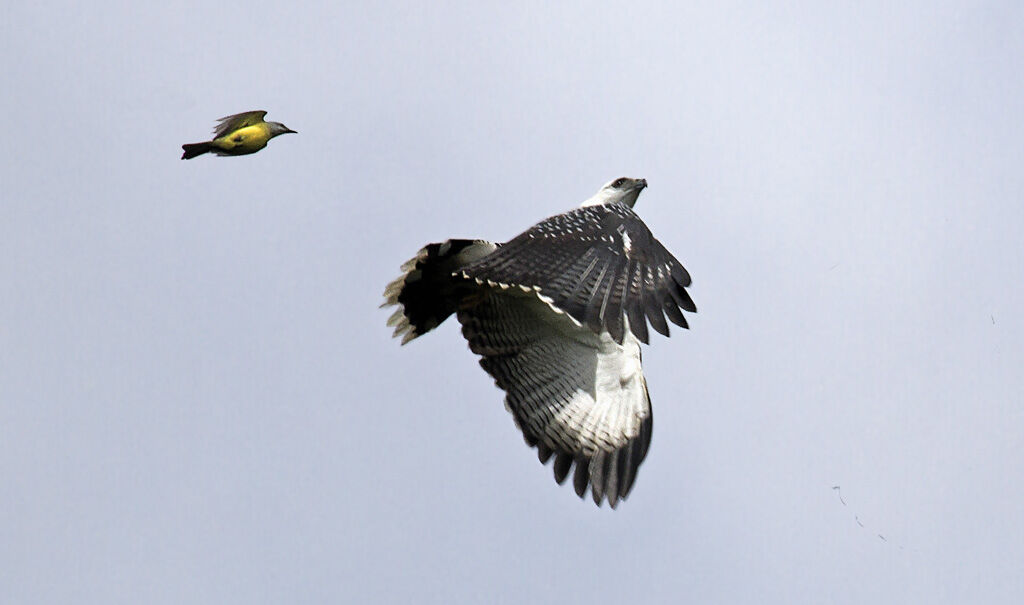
<point>599,265</point>
<point>576,396</point>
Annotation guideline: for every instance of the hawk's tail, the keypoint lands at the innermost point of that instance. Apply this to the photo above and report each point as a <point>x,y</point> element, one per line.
<point>194,149</point>
<point>428,292</point>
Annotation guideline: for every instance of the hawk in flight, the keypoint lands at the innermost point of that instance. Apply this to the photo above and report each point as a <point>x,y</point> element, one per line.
<point>557,316</point>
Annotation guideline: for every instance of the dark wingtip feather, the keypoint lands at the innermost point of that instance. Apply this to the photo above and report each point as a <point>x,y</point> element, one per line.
<point>657,318</point>
<point>646,430</point>
<point>581,477</point>
<point>543,453</point>
<point>685,302</point>
<point>673,312</point>
<point>611,480</point>
<point>563,462</point>
<point>626,469</point>
<point>597,475</point>
<point>679,274</point>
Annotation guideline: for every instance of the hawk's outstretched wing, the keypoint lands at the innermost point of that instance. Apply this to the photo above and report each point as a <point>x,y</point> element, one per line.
<point>576,395</point>
<point>597,264</point>
<point>239,120</point>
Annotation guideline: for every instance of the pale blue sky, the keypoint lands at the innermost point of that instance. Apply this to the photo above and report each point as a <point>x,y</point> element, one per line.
<point>200,403</point>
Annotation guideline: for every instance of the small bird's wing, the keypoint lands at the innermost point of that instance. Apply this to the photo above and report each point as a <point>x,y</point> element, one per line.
<point>597,264</point>
<point>575,395</point>
<point>239,120</point>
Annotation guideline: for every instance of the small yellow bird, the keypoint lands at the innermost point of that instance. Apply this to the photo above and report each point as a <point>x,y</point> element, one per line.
<point>240,134</point>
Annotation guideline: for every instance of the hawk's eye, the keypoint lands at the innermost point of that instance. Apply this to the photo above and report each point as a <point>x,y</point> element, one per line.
<point>619,183</point>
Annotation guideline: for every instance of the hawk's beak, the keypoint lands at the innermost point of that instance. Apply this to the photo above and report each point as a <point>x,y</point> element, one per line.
<point>640,184</point>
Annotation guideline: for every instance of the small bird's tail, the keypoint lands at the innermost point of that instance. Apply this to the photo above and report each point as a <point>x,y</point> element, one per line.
<point>427,292</point>
<point>194,149</point>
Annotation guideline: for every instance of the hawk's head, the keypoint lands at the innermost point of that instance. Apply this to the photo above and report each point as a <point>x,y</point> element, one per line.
<point>622,189</point>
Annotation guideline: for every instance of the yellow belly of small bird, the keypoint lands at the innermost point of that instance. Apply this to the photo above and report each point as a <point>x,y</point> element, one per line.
<point>242,141</point>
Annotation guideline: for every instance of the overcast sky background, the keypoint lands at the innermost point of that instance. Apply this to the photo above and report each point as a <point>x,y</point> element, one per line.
<point>200,402</point>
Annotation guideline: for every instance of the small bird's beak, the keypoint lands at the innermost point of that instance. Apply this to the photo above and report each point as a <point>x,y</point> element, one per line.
<point>287,130</point>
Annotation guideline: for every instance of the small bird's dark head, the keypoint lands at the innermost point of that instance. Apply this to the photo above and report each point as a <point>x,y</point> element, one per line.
<point>277,128</point>
<point>622,189</point>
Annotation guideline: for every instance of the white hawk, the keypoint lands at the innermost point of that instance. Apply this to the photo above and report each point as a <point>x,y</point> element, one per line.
<point>557,315</point>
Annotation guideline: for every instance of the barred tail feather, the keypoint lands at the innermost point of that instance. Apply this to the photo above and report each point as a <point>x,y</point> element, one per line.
<point>428,292</point>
